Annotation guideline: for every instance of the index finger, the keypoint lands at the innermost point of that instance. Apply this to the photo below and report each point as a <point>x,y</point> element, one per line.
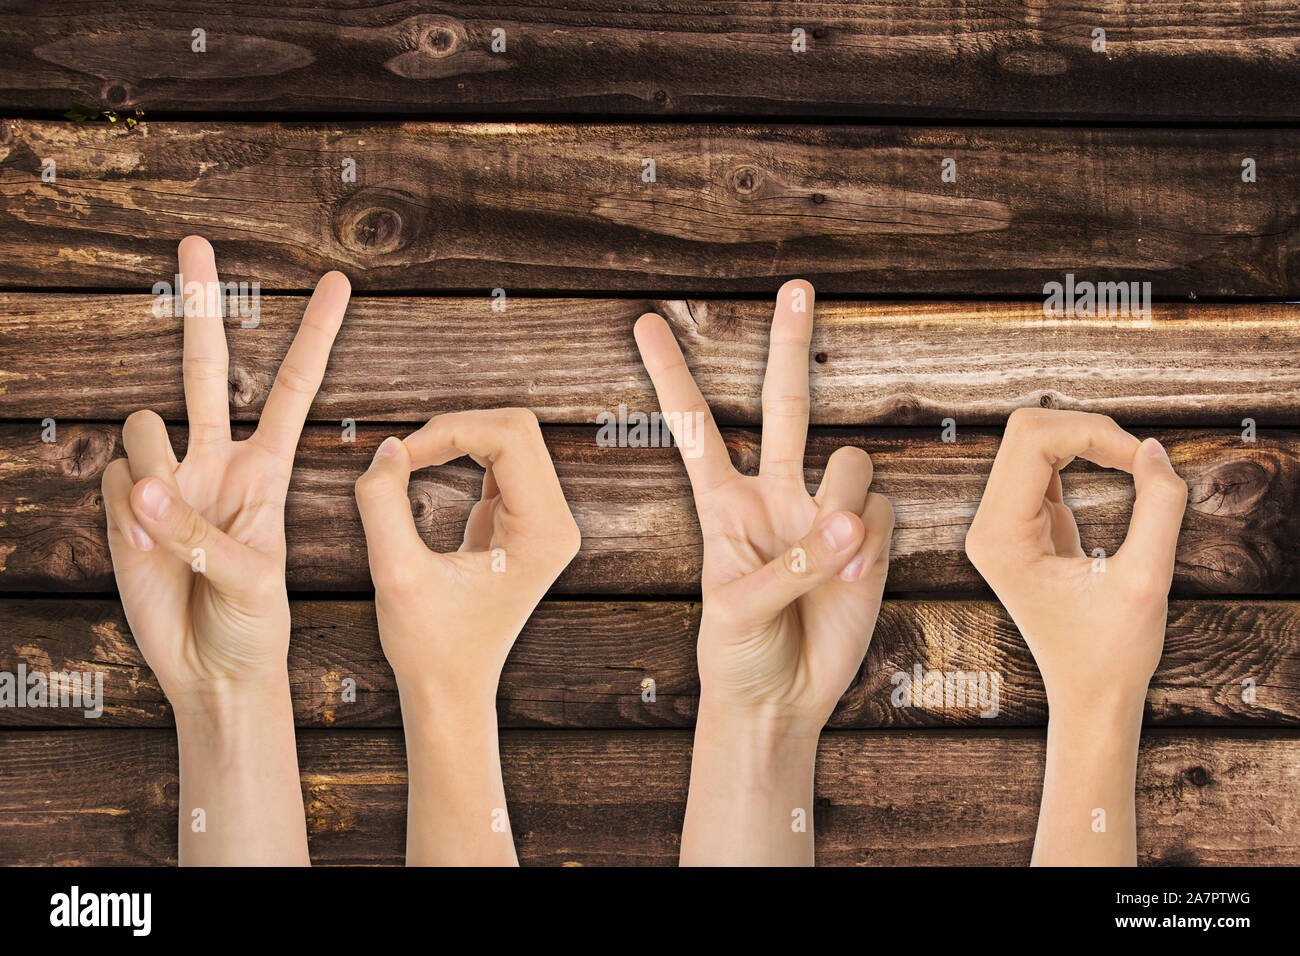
<point>1036,445</point>
<point>689,418</point>
<point>507,441</point>
<point>303,368</point>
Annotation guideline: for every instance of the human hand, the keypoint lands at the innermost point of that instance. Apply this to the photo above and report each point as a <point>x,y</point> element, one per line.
<point>198,546</point>
<point>792,582</point>
<point>448,621</point>
<point>792,586</point>
<point>198,553</point>
<point>1095,626</point>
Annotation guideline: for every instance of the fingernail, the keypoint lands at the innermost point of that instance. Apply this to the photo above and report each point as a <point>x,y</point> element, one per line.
<point>154,498</point>
<point>141,540</point>
<point>839,532</point>
<point>853,570</point>
<point>1156,450</point>
<point>388,447</point>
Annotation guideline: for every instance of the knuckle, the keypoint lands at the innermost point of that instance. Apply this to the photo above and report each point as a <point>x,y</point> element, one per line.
<point>190,528</point>
<point>784,406</point>
<point>205,368</point>
<point>297,380</point>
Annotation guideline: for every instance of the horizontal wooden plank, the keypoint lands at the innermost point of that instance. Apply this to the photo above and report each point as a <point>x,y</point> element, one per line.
<point>886,363</point>
<point>612,798</point>
<point>561,207</point>
<point>1241,534</point>
<point>1203,59</point>
<point>583,664</point>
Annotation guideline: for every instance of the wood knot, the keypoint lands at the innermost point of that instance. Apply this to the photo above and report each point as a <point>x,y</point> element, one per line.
<point>1229,488</point>
<point>116,94</point>
<point>378,222</point>
<point>1048,400</point>
<point>821,358</point>
<point>1198,776</point>
<point>83,452</point>
<point>661,97</point>
<point>440,41</point>
<point>745,179</point>
<point>819,198</point>
<point>819,33</point>
<point>242,387</point>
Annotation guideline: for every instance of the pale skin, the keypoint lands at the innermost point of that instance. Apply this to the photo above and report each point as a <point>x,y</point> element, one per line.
<point>1095,629</point>
<point>791,584</point>
<point>199,555</point>
<point>448,621</point>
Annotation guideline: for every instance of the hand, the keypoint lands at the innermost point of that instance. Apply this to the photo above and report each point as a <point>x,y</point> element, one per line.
<point>198,546</point>
<point>792,586</point>
<point>792,582</point>
<point>448,621</point>
<point>1095,626</point>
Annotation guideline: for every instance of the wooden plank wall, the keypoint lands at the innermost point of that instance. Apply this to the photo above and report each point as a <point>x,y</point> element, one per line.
<point>521,170</point>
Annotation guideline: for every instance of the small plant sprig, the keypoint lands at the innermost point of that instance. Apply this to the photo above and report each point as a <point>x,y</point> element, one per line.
<point>81,113</point>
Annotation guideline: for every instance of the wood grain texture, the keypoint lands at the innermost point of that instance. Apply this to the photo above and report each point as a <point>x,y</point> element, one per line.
<point>1172,59</point>
<point>1241,534</point>
<point>733,208</point>
<point>583,664</point>
<point>871,363</point>
<point>929,798</point>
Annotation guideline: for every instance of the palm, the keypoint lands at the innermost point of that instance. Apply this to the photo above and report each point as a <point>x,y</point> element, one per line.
<point>815,644</point>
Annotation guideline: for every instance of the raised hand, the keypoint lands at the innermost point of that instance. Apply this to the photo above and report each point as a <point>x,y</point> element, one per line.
<point>792,584</point>
<point>199,554</point>
<point>1095,625</point>
<point>447,621</point>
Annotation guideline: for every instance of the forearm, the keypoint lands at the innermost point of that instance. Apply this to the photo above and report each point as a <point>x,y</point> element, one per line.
<point>456,802</point>
<point>1087,815</point>
<point>240,793</point>
<point>751,793</point>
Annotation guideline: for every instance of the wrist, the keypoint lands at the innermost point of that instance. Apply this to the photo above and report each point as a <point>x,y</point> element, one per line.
<point>759,739</point>
<point>223,705</point>
<point>428,703</point>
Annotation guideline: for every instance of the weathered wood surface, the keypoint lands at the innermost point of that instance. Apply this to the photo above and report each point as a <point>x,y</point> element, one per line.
<point>561,207</point>
<point>1173,60</point>
<point>871,363</point>
<point>1241,534</point>
<point>87,797</point>
<point>582,664</point>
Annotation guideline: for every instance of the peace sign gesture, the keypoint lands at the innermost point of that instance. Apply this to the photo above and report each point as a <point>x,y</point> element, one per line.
<point>792,585</point>
<point>198,546</point>
<point>791,581</point>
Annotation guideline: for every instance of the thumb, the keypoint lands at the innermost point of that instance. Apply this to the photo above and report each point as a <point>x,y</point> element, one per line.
<point>1158,508</point>
<point>185,534</point>
<point>386,509</point>
<point>817,557</point>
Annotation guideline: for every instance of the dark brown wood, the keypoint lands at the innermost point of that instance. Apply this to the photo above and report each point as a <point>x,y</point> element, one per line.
<point>1016,58</point>
<point>618,798</point>
<point>1241,534</point>
<point>732,208</point>
<point>583,664</point>
<point>872,363</point>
